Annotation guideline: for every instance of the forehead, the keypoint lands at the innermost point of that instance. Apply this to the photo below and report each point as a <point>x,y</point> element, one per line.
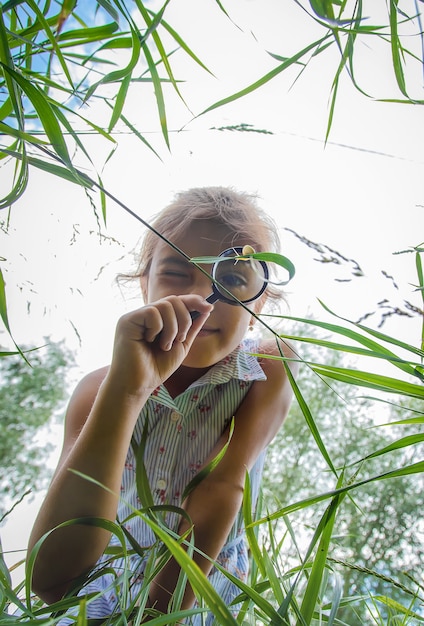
<point>203,238</point>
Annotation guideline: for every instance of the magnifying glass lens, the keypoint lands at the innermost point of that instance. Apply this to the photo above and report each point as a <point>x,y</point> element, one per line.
<point>242,278</point>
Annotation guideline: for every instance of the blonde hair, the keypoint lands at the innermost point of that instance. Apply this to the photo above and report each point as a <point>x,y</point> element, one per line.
<point>237,211</point>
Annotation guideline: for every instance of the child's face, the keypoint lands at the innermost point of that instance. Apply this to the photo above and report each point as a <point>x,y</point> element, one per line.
<point>171,274</point>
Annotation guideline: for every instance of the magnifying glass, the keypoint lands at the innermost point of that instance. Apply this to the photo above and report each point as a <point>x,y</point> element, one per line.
<point>237,280</point>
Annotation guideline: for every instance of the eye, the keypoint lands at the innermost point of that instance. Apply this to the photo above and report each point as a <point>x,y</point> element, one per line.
<point>175,274</point>
<point>232,280</point>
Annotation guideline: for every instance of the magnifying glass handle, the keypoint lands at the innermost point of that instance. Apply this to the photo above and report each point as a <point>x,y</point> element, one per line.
<point>211,299</point>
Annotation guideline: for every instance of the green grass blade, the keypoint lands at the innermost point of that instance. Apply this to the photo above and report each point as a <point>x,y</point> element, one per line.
<point>414,468</point>
<point>142,481</point>
<point>257,598</point>
<point>348,349</point>
<point>44,112</point>
<point>370,380</point>
<point>6,61</point>
<point>313,586</point>
<point>420,274</point>
<point>19,134</point>
<point>309,419</point>
<point>396,47</point>
<point>160,100</point>
<point>268,257</point>
<point>198,581</point>
<point>20,181</point>
<point>119,102</point>
<point>56,170</point>
<point>250,532</point>
<point>209,467</point>
<point>342,330</point>
<point>184,46</point>
<point>45,27</point>
<point>120,74</point>
<point>111,527</point>
<point>265,79</point>
<point>404,442</point>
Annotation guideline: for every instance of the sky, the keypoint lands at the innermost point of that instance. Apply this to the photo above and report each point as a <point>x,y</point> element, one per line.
<point>359,195</point>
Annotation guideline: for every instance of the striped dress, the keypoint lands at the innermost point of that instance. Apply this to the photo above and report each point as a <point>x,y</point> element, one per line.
<point>181,432</point>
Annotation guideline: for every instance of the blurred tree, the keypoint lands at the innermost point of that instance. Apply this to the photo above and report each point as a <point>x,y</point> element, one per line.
<point>378,542</point>
<point>30,396</point>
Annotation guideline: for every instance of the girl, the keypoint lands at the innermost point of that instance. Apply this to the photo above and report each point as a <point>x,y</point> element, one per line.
<point>180,378</point>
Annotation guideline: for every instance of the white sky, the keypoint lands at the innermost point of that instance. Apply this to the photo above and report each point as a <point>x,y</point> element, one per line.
<point>361,194</point>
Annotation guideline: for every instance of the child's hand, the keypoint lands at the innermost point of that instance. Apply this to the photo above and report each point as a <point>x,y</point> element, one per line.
<point>153,341</point>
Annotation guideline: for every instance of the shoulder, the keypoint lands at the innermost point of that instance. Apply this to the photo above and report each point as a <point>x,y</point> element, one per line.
<point>88,387</point>
<point>80,404</point>
<point>274,353</point>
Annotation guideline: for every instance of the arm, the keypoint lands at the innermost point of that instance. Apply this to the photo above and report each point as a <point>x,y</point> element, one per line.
<point>258,419</point>
<point>150,344</point>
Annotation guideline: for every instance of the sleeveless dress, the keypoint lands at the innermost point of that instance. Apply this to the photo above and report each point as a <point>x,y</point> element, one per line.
<point>181,433</point>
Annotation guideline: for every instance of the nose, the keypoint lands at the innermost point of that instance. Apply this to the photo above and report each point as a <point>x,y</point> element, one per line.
<point>202,285</point>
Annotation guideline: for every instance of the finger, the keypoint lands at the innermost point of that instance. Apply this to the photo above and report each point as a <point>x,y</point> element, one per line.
<point>151,322</point>
<point>168,310</point>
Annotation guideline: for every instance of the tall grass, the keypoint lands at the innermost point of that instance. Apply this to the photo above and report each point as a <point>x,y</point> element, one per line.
<point>37,110</point>
<point>305,589</point>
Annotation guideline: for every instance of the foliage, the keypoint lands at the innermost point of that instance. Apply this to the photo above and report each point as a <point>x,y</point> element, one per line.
<point>31,393</point>
<point>378,533</point>
<point>67,69</point>
<point>306,585</point>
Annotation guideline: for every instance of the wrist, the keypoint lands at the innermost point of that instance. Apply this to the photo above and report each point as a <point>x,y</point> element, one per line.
<point>118,391</point>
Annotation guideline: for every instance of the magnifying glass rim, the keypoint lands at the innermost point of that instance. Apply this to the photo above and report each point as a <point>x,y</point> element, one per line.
<point>237,251</point>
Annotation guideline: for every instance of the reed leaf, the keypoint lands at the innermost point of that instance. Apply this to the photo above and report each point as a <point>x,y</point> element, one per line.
<point>250,532</point>
<point>404,442</point>
<point>309,419</point>
<point>44,112</point>
<point>56,170</point>
<point>320,561</point>
<point>369,380</point>
<point>384,354</point>
<point>111,527</point>
<point>396,47</point>
<point>182,44</point>
<point>122,73</point>
<point>52,37</point>
<point>198,581</point>
<point>141,479</point>
<point>269,76</point>
<point>414,468</point>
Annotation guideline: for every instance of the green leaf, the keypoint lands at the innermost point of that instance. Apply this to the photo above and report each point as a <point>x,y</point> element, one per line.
<point>83,36</point>
<point>98,522</point>
<point>414,468</point>
<point>318,566</point>
<point>3,305</point>
<point>45,114</point>
<point>369,379</point>
<point>141,479</point>
<point>269,76</point>
<point>309,419</point>
<point>75,176</point>
<point>250,533</point>
<point>198,581</point>
<point>209,467</point>
<point>268,257</point>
